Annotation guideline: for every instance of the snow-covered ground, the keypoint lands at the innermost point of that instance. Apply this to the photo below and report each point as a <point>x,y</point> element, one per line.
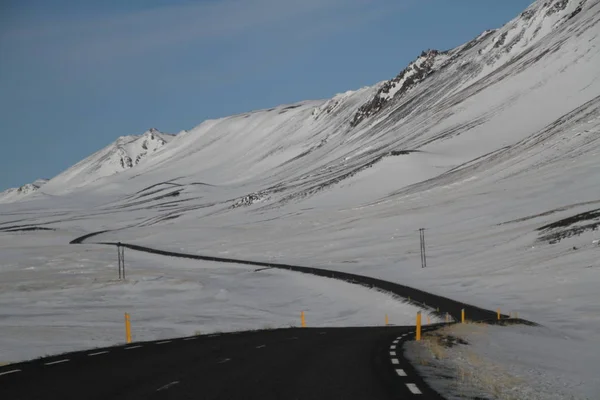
<point>56,297</point>
<point>507,362</point>
<point>494,150</point>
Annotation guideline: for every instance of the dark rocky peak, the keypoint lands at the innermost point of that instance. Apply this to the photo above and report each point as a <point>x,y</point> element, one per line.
<point>555,7</point>
<point>151,133</point>
<point>30,187</point>
<point>412,75</point>
<point>527,14</point>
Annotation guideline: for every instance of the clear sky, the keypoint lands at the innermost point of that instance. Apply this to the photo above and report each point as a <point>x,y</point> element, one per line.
<point>76,74</point>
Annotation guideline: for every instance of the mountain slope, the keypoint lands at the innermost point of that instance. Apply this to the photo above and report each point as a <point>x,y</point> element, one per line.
<point>478,98</point>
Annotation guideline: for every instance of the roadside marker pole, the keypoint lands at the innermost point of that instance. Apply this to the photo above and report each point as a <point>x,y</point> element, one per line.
<point>428,320</point>
<point>498,314</point>
<point>447,317</point>
<point>302,319</point>
<point>462,315</point>
<point>127,328</point>
<point>387,320</point>
<point>418,336</point>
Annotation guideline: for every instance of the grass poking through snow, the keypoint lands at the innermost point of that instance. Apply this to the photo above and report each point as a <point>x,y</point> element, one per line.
<point>454,367</point>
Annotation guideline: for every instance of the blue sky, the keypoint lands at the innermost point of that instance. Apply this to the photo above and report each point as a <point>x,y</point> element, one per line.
<point>76,74</point>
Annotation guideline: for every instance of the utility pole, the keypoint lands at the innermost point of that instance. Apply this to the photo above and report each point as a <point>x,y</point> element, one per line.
<point>423,257</point>
<point>121,257</point>
<point>123,260</point>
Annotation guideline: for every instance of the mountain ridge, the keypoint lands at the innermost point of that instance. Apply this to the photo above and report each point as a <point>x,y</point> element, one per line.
<point>15,194</point>
<point>409,93</point>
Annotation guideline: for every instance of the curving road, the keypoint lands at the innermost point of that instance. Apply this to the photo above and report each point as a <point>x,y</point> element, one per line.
<point>415,296</point>
<point>299,363</point>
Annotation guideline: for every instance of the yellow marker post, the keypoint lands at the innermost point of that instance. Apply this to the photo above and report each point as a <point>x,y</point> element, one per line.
<point>387,320</point>
<point>498,314</point>
<point>462,315</point>
<point>516,314</point>
<point>418,336</point>
<point>127,328</point>
<point>302,319</point>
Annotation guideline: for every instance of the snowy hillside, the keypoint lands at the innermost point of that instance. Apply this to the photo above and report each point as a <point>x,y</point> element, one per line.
<point>15,194</point>
<point>492,147</point>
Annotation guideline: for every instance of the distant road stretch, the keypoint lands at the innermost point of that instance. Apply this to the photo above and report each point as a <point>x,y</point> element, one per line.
<point>415,296</point>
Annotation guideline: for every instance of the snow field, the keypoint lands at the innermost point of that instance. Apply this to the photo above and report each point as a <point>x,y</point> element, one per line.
<point>56,298</point>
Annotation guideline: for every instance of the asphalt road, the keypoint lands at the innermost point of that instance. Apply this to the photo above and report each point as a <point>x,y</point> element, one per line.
<point>298,363</point>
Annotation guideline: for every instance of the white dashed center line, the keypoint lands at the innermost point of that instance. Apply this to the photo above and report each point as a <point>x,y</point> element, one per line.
<point>400,372</point>
<point>191,338</point>
<point>97,354</point>
<point>163,342</point>
<point>57,362</point>
<point>168,385</point>
<point>392,353</point>
<point>395,341</point>
<point>224,361</point>
<point>413,388</point>
<point>393,347</point>
<point>215,334</point>
<point>132,347</point>
<point>261,346</point>
<point>395,361</point>
<point>10,372</point>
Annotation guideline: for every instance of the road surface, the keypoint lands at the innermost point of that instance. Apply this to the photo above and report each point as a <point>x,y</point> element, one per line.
<point>297,363</point>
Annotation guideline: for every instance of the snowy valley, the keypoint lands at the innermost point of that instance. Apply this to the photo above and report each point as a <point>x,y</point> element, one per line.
<point>493,147</point>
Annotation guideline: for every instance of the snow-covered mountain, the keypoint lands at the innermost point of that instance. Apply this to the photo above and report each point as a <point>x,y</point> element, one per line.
<point>15,194</point>
<point>495,49</point>
<point>125,153</point>
<point>492,147</point>
<point>486,61</point>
